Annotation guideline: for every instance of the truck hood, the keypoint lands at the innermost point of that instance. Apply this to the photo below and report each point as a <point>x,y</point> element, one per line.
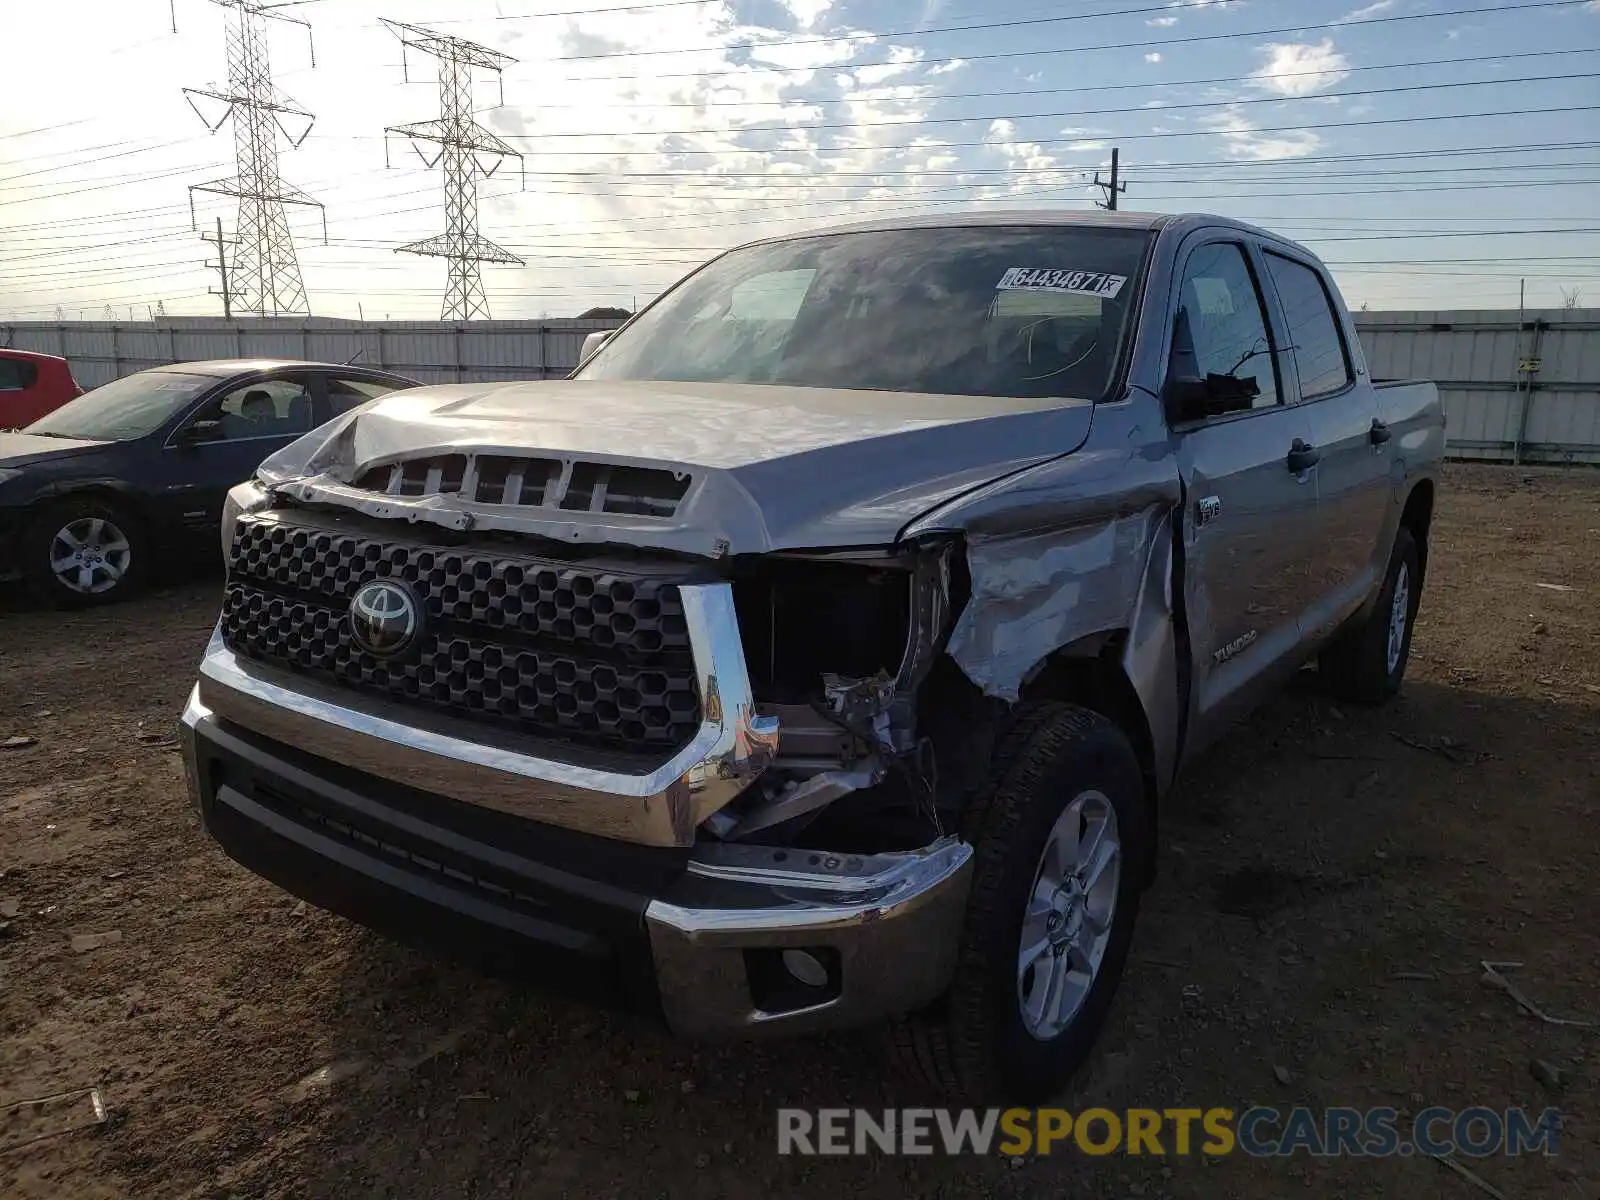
<point>20,449</point>
<point>758,467</point>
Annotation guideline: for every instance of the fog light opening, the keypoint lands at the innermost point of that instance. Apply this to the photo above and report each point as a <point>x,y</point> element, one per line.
<point>803,965</point>
<point>793,977</point>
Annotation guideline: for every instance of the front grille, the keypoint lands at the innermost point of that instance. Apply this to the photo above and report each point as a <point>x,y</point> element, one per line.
<point>595,656</point>
<point>534,483</point>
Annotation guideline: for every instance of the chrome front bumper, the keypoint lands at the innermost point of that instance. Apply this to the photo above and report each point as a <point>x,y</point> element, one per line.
<point>893,920</point>
<point>888,925</point>
<point>481,766</point>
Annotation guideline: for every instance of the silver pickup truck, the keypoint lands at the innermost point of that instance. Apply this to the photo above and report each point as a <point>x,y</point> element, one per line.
<point>822,652</point>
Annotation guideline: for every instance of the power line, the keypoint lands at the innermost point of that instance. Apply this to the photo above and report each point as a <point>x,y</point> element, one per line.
<point>92,151</point>
<point>1032,22</point>
<point>98,158</point>
<point>1142,85</point>
<point>22,133</point>
<point>1052,141</point>
<point>627,251</point>
<point>1187,39</point>
<point>1233,165</point>
<point>1074,113</point>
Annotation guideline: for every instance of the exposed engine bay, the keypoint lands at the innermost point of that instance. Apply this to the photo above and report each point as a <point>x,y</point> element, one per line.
<point>847,651</point>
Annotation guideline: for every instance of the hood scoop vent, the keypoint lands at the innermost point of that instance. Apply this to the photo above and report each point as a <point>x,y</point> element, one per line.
<point>549,483</point>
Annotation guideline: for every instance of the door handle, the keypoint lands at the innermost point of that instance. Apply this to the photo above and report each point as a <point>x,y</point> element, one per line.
<point>1303,457</point>
<point>1379,433</point>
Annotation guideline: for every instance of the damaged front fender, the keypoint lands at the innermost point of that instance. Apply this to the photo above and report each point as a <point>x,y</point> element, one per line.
<point>1079,546</point>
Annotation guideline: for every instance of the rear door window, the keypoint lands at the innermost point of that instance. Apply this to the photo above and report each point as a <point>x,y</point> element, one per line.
<point>267,409</point>
<point>345,394</point>
<point>1315,339</point>
<point>16,375</point>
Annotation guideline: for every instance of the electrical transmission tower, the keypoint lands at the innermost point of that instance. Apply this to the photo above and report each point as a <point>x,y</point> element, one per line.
<point>264,276</point>
<point>463,145</point>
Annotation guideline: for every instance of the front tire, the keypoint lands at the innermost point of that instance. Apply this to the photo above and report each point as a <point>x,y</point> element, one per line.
<point>1060,850</point>
<point>1367,662</point>
<point>82,552</point>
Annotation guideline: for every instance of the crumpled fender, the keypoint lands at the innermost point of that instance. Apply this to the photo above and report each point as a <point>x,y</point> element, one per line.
<point>1077,546</point>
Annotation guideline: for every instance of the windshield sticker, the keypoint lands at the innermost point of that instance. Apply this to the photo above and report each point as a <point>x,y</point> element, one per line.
<point>1079,283</point>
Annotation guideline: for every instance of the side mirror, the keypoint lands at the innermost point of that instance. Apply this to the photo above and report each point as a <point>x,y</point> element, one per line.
<point>199,432</point>
<point>593,343</point>
<point>1191,398</point>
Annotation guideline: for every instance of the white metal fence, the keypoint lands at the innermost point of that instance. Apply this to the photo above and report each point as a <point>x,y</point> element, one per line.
<point>1512,392</point>
<point>430,351</point>
<point>1527,392</point>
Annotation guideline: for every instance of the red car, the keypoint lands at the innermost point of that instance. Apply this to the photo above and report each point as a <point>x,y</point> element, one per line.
<point>32,385</point>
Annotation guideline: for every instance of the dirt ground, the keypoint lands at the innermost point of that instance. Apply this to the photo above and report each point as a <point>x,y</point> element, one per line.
<point>1332,878</point>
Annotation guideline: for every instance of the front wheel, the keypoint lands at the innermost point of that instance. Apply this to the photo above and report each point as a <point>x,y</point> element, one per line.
<point>1060,848</point>
<point>81,552</point>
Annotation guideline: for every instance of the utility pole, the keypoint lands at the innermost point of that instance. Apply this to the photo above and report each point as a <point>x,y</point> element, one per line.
<point>463,146</point>
<point>266,272</point>
<point>221,267</point>
<point>1114,187</point>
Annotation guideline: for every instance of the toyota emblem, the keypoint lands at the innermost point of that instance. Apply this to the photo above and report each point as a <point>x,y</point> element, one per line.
<point>384,618</point>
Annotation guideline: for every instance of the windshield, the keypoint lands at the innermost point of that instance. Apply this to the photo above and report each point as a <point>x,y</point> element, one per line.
<point>125,408</point>
<point>976,311</point>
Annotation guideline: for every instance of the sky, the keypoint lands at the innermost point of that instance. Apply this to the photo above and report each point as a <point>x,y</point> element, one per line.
<point>1434,152</point>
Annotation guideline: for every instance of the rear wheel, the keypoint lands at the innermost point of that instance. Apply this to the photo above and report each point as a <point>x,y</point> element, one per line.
<point>1367,662</point>
<point>83,551</point>
<point>1060,841</point>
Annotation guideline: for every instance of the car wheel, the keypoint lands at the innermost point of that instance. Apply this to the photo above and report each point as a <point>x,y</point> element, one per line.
<point>1060,853</point>
<point>1366,663</point>
<point>83,552</point>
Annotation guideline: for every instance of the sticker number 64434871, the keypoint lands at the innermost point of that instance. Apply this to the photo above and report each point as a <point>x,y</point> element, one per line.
<point>1046,279</point>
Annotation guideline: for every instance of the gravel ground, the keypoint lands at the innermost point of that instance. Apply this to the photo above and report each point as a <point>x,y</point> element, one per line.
<point>1331,879</point>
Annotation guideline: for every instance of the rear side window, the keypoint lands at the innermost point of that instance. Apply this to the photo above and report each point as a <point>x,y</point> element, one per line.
<point>345,394</point>
<point>16,375</point>
<point>1318,344</point>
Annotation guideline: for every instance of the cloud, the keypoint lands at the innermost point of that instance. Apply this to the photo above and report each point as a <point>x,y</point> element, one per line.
<point>1366,13</point>
<point>1300,68</point>
<point>1032,165</point>
<point>578,43</point>
<point>1168,22</point>
<point>1243,141</point>
<point>1153,57</point>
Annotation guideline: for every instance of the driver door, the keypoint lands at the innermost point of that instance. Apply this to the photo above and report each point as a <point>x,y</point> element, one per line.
<point>1249,521</point>
<point>201,461</point>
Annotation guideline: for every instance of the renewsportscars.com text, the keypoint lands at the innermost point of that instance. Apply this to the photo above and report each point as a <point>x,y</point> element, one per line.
<point>1259,1131</point>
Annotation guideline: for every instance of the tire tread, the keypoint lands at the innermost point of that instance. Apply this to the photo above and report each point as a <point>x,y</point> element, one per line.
<point>945,1048</point>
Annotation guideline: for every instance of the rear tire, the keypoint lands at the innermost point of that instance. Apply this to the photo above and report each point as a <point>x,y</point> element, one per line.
<point>1066,803</point>
<point>1366,663</point>
<point>83,551</point>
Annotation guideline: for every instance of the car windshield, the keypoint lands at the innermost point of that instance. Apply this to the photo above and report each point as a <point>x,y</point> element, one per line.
<point>125,408</point>
<point>981,311</point>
